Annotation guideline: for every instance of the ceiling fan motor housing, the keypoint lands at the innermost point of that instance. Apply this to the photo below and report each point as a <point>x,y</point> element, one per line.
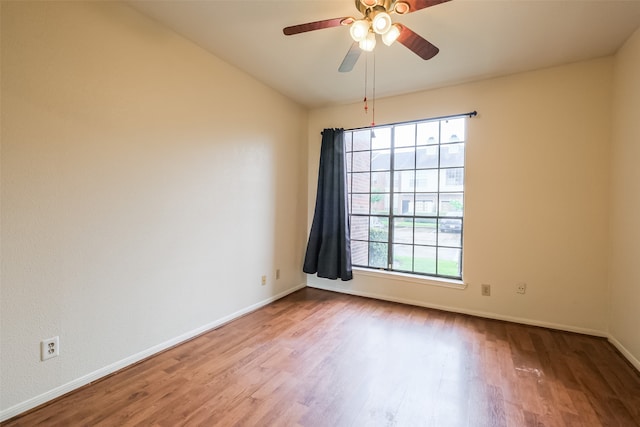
<point>365,6</point>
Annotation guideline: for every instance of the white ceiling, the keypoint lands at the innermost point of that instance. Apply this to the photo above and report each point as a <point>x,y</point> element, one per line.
<point>477,39</point>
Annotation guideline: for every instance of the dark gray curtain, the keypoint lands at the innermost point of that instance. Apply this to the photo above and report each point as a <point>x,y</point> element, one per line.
<point>329,247</point>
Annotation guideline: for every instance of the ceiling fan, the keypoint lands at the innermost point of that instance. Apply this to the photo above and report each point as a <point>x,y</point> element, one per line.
<point>376,19</point>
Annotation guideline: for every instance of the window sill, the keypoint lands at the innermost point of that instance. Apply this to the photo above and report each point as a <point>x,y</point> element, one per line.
<point>411,278</point>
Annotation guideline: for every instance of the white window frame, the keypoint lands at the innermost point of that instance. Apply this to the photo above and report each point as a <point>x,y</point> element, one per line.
<point>447,251</point>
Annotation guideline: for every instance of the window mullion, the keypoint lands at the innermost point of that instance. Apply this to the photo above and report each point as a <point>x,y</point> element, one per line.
<point>391,199</point>
<point>370,244</point>
<point>415,197</point>
<point>439,196</point>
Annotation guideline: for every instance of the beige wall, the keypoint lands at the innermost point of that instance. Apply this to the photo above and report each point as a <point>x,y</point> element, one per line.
<point>536,203</point>
<point>625,202</point>
<point>146,187</point>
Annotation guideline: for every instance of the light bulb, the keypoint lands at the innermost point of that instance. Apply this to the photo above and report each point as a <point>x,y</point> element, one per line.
<point>359,30</point>
<point>381,22</point>
<point>369,43</point>
<point>392,35</point>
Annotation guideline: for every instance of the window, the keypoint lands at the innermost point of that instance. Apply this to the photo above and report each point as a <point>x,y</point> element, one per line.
<point>406,196</point>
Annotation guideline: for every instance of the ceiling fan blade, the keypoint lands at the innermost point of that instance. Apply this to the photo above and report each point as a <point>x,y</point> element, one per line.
<point>311,26</point>
<point>350,58</point>
<point>416,43</point>
<point>421,4</point>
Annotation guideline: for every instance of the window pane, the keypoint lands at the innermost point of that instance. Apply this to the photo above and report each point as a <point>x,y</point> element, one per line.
<point>449,262</point>
<point>403,204</point>
<point>450,232</point>
<point>360,182</point>
<point>380,182</point>
<point>360,227</point>
<point>380,204</point>
<point>348,159</point>
<point>403,257</point>
<point>404,158</point>
<point>361,161</point>
<point>453,130</point>
<point>451,155</point>
<point>427,157</point>
<point>379,229</point>
<point>348,137</point>
<point>424,259</point>
<point>452,179</point>
<point>360,203</point>
<point>360,253</point>
<point>402,230</point>
<point>405,135</point>
<point>382,139</point>
<point>378,255</point>
<point>428,133</point>
<point>426,204</point>
<point>452,204</point>
<point>362,140</point>
<point>404,181</point>
<point>427,180</point>
<point>425,231</point>
<point>380,160</point>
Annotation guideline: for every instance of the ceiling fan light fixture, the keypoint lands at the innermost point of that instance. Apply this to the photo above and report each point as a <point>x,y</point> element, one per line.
<point>368,43</point>
<point>381,21</point>
<point>359,30</point>
<point>392,35</point>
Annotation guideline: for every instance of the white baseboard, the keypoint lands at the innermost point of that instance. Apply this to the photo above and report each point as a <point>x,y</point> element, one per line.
<point>477,313</point>
<point>626,353</point>
<point>102,372</point>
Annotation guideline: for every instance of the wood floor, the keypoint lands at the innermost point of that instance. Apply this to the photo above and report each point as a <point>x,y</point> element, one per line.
<point>317,358</point>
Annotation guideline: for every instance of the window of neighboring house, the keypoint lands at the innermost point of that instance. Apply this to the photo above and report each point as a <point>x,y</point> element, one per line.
<point>406,196</point>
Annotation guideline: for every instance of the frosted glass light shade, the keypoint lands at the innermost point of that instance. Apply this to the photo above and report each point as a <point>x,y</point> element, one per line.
<point>359,30</point>
<point>381,22</point>
<point>369,43</point>
<point>392,35</point>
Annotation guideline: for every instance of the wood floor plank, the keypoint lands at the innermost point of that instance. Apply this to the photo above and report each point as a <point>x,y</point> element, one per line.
<point>317,358</point>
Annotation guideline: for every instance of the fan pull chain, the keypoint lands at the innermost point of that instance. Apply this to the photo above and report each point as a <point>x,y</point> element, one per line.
<point>373,110</point>
<point>366,63</point>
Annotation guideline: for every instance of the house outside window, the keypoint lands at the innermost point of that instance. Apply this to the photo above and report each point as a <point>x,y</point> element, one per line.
<point>406,196</point>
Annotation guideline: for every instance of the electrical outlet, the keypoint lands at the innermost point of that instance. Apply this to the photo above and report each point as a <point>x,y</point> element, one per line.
<point>521,288</point>
<point>485,290</point>
<point>277,274</point>
<point>49,348</point>
<point>264,280</point>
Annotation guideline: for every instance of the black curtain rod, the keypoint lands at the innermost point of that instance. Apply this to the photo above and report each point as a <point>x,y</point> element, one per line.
<point>470,114</point>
